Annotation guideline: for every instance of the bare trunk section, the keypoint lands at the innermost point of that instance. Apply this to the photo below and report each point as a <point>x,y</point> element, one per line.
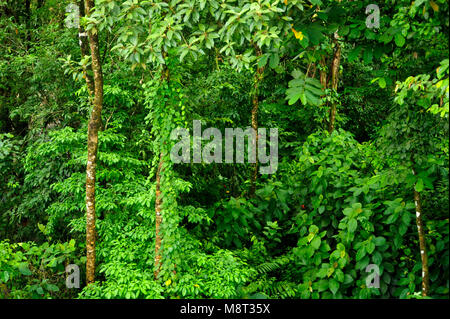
<point>334,80</point>
<point>93,128</point>
<point>255,104</point>
<point>422,243</point>
<point>323,73</point>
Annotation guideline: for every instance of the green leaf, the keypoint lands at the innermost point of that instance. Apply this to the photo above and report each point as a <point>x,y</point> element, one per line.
<point>322,272</point>
<point>368,55</point>
<point>308,90</point>
<point>379,241</point>
<point>399,40</point>
<point>334,286</point>
<point>343,31</point>
<point>315,34</point>
<point>313,229</point>
<point>24,270</point>
<point>5,276</point>
<point>354,53</point>
<point>274,60</point>
<point>352,224</point>
<point>316,243</point>
<point>370,247</point>
<point>51,287</point>
<point>263,60</point>
<point>419,185</point>
<point>339,275</point>
<point>360,254</point>
<point>348,279</point>
<point>322,285</point>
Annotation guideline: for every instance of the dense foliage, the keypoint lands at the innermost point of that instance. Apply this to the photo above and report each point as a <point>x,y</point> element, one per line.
<point>362,116</point>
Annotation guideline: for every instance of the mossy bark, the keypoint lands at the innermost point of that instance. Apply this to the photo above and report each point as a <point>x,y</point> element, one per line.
<point>94,125</point>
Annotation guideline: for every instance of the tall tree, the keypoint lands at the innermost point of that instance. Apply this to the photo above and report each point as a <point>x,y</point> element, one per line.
<point>259,74</point>
<point>94,125</point>
<point>150,46</point>
<point>413,138</point>
<point>158,195</point>
<point>259,26</point>
<point>422,241</point>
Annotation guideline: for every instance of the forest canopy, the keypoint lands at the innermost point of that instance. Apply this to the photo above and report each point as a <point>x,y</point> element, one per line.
<point>278,149</point>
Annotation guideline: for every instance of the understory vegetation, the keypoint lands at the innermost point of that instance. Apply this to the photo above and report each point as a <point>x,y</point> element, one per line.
<point>362,176</point>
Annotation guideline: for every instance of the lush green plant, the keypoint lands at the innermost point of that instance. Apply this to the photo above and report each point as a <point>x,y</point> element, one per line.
<point>36,271</point>
<point>339,201</point>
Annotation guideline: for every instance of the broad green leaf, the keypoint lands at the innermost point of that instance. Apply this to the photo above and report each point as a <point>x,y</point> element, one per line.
<point>316,242</point>
<point>419,185</point>
<point>352,224</point>
<point>24,270</point>
<point>399,40</point>
<point>334,286</point>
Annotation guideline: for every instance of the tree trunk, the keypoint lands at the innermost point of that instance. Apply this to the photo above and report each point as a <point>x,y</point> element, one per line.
<point>93,128</point>
<point>158,218</point>
<point>84,47</point>
<point>158,195</point>
<point>323,73</point>
<point>334,80</point>
<point>422,243</point>
<point>255,104</point>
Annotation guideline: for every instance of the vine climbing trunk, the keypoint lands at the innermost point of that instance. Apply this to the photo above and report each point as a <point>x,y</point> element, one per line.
<point>255,105</point>
<point>93,128</point>
<point>422,242</point>
<point>158,217</point>
<point>334,80</point>
<point>84,48</point>
<point>158,194</point>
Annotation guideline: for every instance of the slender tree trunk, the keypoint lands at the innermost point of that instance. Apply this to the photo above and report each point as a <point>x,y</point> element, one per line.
<point>255,104</point>
<point>311,72</point>
<point>323,73</point>
<point>422,243</point>
<point>334,80</point>
<point>93,128</point>
<point>84,47</point>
